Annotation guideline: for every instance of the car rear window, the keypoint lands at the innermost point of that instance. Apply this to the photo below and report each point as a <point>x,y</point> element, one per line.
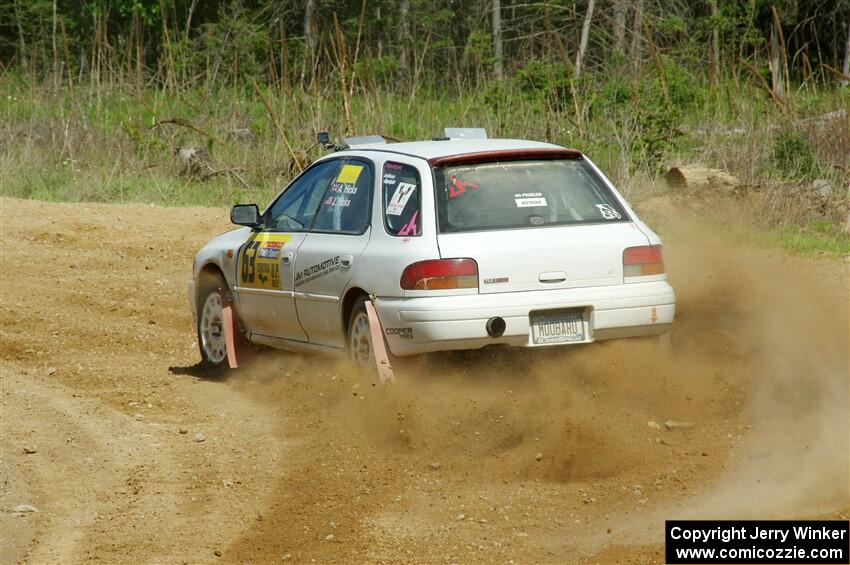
<point>523,194</point>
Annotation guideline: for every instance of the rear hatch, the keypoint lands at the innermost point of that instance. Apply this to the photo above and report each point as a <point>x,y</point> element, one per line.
<point>545,258</point>
<point>532,222</point>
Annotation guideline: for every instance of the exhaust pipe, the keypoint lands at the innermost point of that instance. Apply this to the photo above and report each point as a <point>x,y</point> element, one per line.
<point>495,326</point>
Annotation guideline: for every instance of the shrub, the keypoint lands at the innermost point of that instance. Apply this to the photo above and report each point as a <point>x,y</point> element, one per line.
<point>792,155</point>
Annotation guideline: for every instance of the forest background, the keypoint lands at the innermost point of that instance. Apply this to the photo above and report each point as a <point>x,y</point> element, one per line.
<point>96,96</point>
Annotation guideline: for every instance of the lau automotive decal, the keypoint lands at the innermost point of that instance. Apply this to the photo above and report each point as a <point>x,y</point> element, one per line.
<point>317,271</point>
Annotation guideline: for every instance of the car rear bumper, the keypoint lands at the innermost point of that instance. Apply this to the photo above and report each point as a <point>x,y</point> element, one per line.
<point>439,323</point>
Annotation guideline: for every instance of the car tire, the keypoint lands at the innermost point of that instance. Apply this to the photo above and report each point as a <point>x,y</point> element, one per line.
<point>358,342</point>
<point>211,299</point>
<point>358,357</point>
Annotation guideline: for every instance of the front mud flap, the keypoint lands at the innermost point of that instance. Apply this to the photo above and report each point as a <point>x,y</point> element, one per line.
<point>379,347</point>
<point>238,349</point>
<point>229,335</point>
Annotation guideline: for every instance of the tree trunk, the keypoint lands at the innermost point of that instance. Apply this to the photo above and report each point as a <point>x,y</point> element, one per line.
<point>778,60</point>
<point>22,55</point>
<point>380,35</point>
<point>310,29</point>
<point>619,26</point>
<point>498,70</point>
<point>845,68</point>
<point>637,31</point>
<point>659,66</point>
<point>403,35</point>
<point>585,32</point>
<point>693,178</point>
<point>55,53</point>
<point>714,64</point>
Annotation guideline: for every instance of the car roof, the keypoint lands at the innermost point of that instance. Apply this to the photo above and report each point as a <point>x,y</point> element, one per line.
<point>444,148</point>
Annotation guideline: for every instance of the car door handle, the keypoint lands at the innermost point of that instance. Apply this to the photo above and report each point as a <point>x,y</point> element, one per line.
<point>286,257</point>
<point>345,261</point>
<point>553,277</point>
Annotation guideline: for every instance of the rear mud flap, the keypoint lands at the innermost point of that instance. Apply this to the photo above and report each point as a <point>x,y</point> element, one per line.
<point>382,360</point>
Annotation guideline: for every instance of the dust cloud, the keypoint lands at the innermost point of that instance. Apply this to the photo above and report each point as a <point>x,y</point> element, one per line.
<point>759,367</point>
<point>544,455</point>
<point>784,325</point>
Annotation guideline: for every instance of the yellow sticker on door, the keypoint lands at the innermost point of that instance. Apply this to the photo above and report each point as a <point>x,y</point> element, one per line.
<point>259,260</point>
<point>349,173</point>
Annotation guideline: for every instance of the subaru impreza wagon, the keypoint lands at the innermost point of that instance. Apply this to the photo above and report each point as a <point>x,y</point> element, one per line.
<point>458,243</point>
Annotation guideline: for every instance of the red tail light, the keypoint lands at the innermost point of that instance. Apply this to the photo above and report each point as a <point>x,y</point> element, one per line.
<point>440,274</point>
<point>643,261</point>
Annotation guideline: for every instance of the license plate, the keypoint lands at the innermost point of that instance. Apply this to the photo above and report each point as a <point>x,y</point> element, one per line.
<point>557,327</point>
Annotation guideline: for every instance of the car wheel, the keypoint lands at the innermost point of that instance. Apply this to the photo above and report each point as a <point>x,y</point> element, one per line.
<point>211,339</point>
<point>360,349</point>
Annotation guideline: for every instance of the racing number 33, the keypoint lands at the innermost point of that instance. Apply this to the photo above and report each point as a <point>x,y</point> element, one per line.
<point>259,262</point>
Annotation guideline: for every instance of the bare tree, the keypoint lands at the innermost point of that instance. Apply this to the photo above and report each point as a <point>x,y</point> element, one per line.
<point>619,26</point>
<point>637,28</point>
<point>403,34</point>
<point>714,64</point>
<point>310,29</point>
<point>22,53</point>
<point>55,52</point>
<point>845,68</point>
<point>777,49</point>
<point>585,32</point>
<point>498,70</point>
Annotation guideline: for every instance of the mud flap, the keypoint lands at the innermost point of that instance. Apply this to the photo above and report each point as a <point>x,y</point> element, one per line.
<point>229,332</point>
<point>385,370</point>
<point>238,349</point>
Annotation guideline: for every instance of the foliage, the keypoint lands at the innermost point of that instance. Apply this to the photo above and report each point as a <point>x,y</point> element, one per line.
<point>177,43</point>
<point>792,155</point>
<point>820,237</point>
<point>87,89</point>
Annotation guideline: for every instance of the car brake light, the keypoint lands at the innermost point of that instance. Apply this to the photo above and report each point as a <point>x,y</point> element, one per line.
<point>440,274</point>
<point>642,261</point>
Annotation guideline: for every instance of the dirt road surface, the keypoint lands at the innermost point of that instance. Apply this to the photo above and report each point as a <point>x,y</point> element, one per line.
<point>129,454</point>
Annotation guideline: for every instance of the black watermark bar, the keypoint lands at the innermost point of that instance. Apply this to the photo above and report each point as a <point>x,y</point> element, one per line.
<point>757,541</point>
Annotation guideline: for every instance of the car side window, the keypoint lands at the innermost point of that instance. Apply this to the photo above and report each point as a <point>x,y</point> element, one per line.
<point>401,188</point>
<point>296,208</point>
<point>346,206</point>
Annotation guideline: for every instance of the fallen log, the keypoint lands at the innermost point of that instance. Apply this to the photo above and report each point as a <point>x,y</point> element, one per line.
<point>692,178</point>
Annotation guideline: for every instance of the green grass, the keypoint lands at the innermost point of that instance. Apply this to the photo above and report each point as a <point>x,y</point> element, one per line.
<point>818,238</point>
<point>80,145</point>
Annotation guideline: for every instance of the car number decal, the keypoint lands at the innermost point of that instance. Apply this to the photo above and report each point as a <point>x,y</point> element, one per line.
<point>259,260</point>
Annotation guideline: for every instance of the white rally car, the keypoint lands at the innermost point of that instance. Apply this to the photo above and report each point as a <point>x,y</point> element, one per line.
<point>458,243</point>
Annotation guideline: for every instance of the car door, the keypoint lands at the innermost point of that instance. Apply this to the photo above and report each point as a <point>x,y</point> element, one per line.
<point>331,252</point>
<point>266,263</point>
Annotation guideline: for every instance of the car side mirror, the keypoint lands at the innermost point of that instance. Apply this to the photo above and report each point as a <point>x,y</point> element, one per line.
<point>245,215</point>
